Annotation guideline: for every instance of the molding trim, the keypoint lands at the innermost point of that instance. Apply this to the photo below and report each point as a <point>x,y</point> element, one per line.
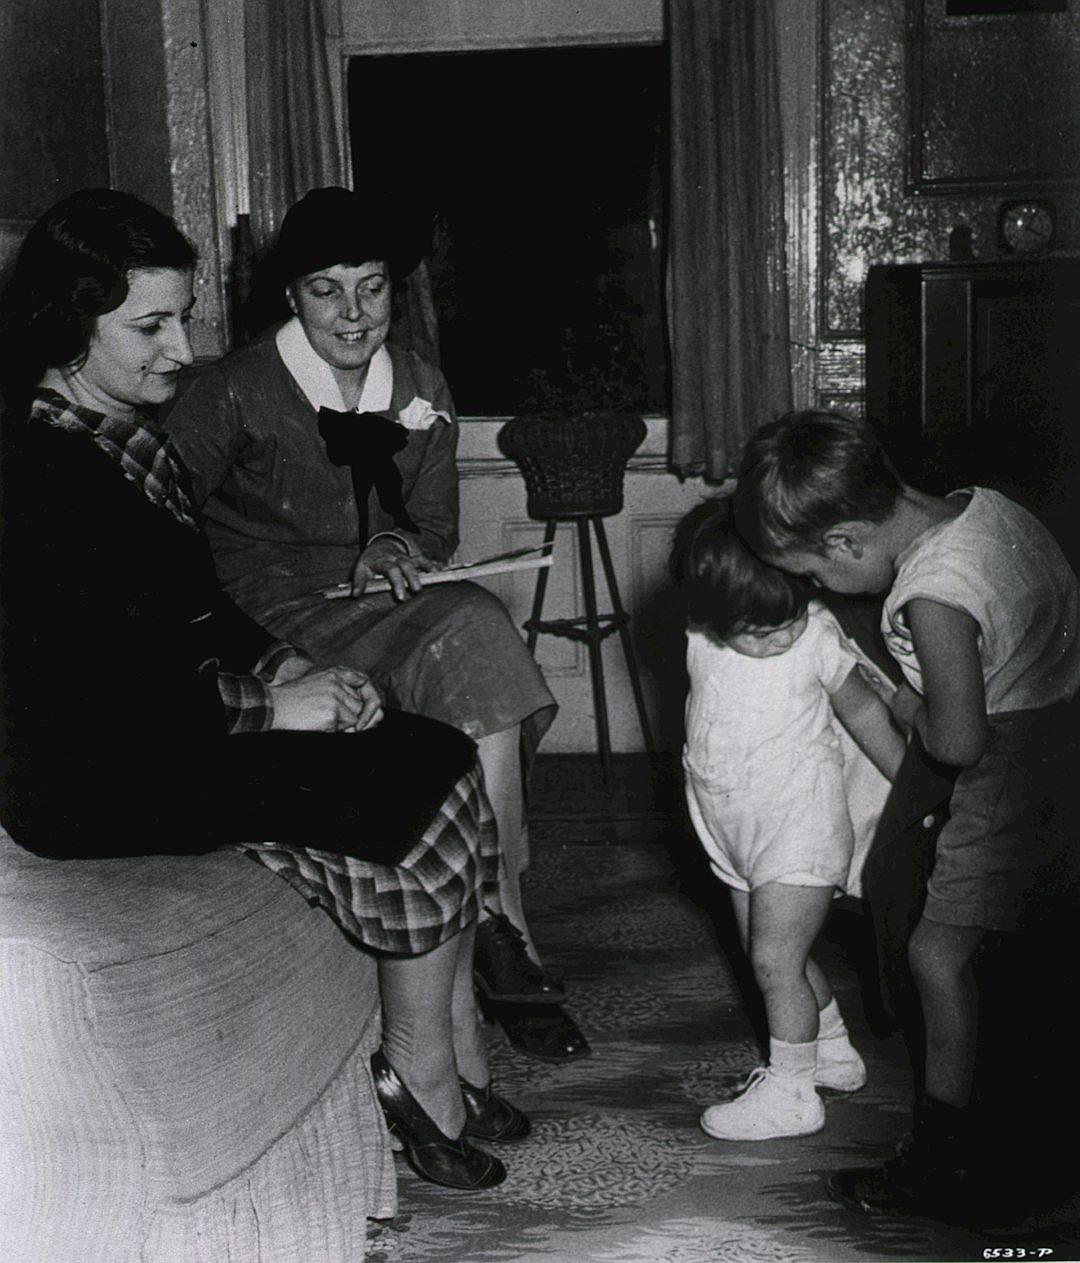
<point>191,164</point>
<point>799,27</point>
<point>391,26</point>
<point>493,44</point>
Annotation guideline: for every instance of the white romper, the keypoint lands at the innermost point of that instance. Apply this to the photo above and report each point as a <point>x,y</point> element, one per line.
<point>777,789</point>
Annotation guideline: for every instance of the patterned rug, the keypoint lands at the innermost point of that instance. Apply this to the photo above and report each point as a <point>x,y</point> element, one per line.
<point>617,1170</point>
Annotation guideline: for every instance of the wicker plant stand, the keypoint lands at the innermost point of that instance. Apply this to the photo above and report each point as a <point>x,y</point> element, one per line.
<point>573,470</point>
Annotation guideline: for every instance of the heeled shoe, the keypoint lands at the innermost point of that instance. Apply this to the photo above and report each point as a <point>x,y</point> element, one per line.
<point>489,1117</point>
<point>431,1153</point>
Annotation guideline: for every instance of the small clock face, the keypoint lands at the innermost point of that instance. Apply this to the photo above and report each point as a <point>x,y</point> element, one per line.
<point>1026,227</point>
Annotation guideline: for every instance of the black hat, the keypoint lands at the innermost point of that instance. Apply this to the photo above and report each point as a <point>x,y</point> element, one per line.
<point>336,225</point>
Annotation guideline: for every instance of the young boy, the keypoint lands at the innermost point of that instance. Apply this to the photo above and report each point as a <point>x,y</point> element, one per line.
<point>982,614</point>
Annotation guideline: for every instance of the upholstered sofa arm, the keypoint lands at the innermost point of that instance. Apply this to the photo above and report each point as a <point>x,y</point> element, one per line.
<point>184,1076</point>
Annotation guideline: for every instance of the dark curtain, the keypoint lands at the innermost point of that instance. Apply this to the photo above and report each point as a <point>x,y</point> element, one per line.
<point>726,284</point>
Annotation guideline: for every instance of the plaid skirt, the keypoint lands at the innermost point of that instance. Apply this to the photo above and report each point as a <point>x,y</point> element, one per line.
<point>410,907</point>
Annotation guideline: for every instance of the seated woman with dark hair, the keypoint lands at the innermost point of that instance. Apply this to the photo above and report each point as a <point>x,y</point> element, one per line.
<point>143,713</point>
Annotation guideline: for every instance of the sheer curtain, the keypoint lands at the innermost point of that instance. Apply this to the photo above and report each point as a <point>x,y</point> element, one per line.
<point>727,290</point>
<point>294,146</point>
<point>292,127</point>
<point>415,323</point>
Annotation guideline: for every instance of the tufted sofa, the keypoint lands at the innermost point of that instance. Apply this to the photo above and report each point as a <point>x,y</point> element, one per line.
<point>184,1077</point>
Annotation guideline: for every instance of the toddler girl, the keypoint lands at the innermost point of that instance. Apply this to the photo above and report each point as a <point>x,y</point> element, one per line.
<point>779,795</point>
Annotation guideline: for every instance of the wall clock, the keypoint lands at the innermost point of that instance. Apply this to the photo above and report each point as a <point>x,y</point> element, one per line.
<point>1026,226</point>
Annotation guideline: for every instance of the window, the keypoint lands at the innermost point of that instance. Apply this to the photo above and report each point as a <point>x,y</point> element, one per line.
<point>544,173</point>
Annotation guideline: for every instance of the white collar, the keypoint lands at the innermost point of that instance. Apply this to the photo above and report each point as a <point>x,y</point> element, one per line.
<point>314,377</point>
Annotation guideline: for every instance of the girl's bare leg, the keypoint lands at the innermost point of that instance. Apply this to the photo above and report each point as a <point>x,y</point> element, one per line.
<point>740,901</point>
<point>784,921</point>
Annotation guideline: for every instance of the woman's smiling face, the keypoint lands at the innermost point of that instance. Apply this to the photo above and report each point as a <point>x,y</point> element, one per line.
<point>345,311</point>
<point>137,350</point>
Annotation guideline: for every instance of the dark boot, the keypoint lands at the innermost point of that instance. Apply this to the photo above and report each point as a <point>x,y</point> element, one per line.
<point>505,971</point>
<point>931,1175</point>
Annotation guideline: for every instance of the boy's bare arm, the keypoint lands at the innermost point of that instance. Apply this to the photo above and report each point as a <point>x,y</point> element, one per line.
<point>867,718</point>
<point>951,718</point>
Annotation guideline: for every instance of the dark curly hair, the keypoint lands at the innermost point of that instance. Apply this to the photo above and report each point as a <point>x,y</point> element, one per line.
<point>726,587</point>
<point>72,267</point>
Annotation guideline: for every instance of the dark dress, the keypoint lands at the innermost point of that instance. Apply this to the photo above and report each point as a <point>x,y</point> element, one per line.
<point>116,738</point>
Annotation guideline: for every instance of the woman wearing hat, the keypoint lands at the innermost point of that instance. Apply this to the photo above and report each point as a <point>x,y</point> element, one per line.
<point>320,455</point>
<point>143,714</point>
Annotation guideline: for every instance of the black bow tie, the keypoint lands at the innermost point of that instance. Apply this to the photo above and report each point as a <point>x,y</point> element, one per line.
<point>366,442</point>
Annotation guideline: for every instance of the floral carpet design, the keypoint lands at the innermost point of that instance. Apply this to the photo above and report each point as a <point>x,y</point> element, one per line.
<point>617,1169</point>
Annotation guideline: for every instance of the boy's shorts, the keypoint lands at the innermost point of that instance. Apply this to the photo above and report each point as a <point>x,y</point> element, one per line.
<point>1006,834</point>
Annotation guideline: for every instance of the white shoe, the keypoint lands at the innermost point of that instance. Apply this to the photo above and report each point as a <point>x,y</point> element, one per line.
<point>839,1066</point>
<point>768,1106</point>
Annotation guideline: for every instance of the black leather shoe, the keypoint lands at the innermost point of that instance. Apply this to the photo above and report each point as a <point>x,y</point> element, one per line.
<point>898,1188</point>
<point>505,971</point>
<point>544,1031</point>
<point>489,1117</point>
<point>430,1153</point>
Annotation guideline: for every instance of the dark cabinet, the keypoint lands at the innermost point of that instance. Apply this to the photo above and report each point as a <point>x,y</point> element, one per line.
<point>973,376</point>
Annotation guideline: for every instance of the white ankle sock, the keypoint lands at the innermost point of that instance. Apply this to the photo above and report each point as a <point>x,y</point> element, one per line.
<point>830,1021</point>
<point>793,1061</point>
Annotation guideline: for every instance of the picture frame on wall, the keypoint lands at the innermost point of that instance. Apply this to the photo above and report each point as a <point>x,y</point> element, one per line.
<point>993,131</point>
<point>968,8</point>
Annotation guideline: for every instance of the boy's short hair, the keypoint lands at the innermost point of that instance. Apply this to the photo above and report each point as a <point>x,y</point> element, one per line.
<point>805,473</point>
<point>726,587</point>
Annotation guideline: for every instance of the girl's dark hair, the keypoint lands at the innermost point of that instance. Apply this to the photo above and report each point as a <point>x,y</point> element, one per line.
<point>71,268</point>
<point>805,473</point>
<point>726,587</point>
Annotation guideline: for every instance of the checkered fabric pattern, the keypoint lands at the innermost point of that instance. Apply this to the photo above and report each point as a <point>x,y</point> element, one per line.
<point>146,456</point>
<point>410,907</point>
<point>247,698</point>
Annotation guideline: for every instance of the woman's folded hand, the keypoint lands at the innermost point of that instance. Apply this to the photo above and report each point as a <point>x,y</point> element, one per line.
<point>335,699</point>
